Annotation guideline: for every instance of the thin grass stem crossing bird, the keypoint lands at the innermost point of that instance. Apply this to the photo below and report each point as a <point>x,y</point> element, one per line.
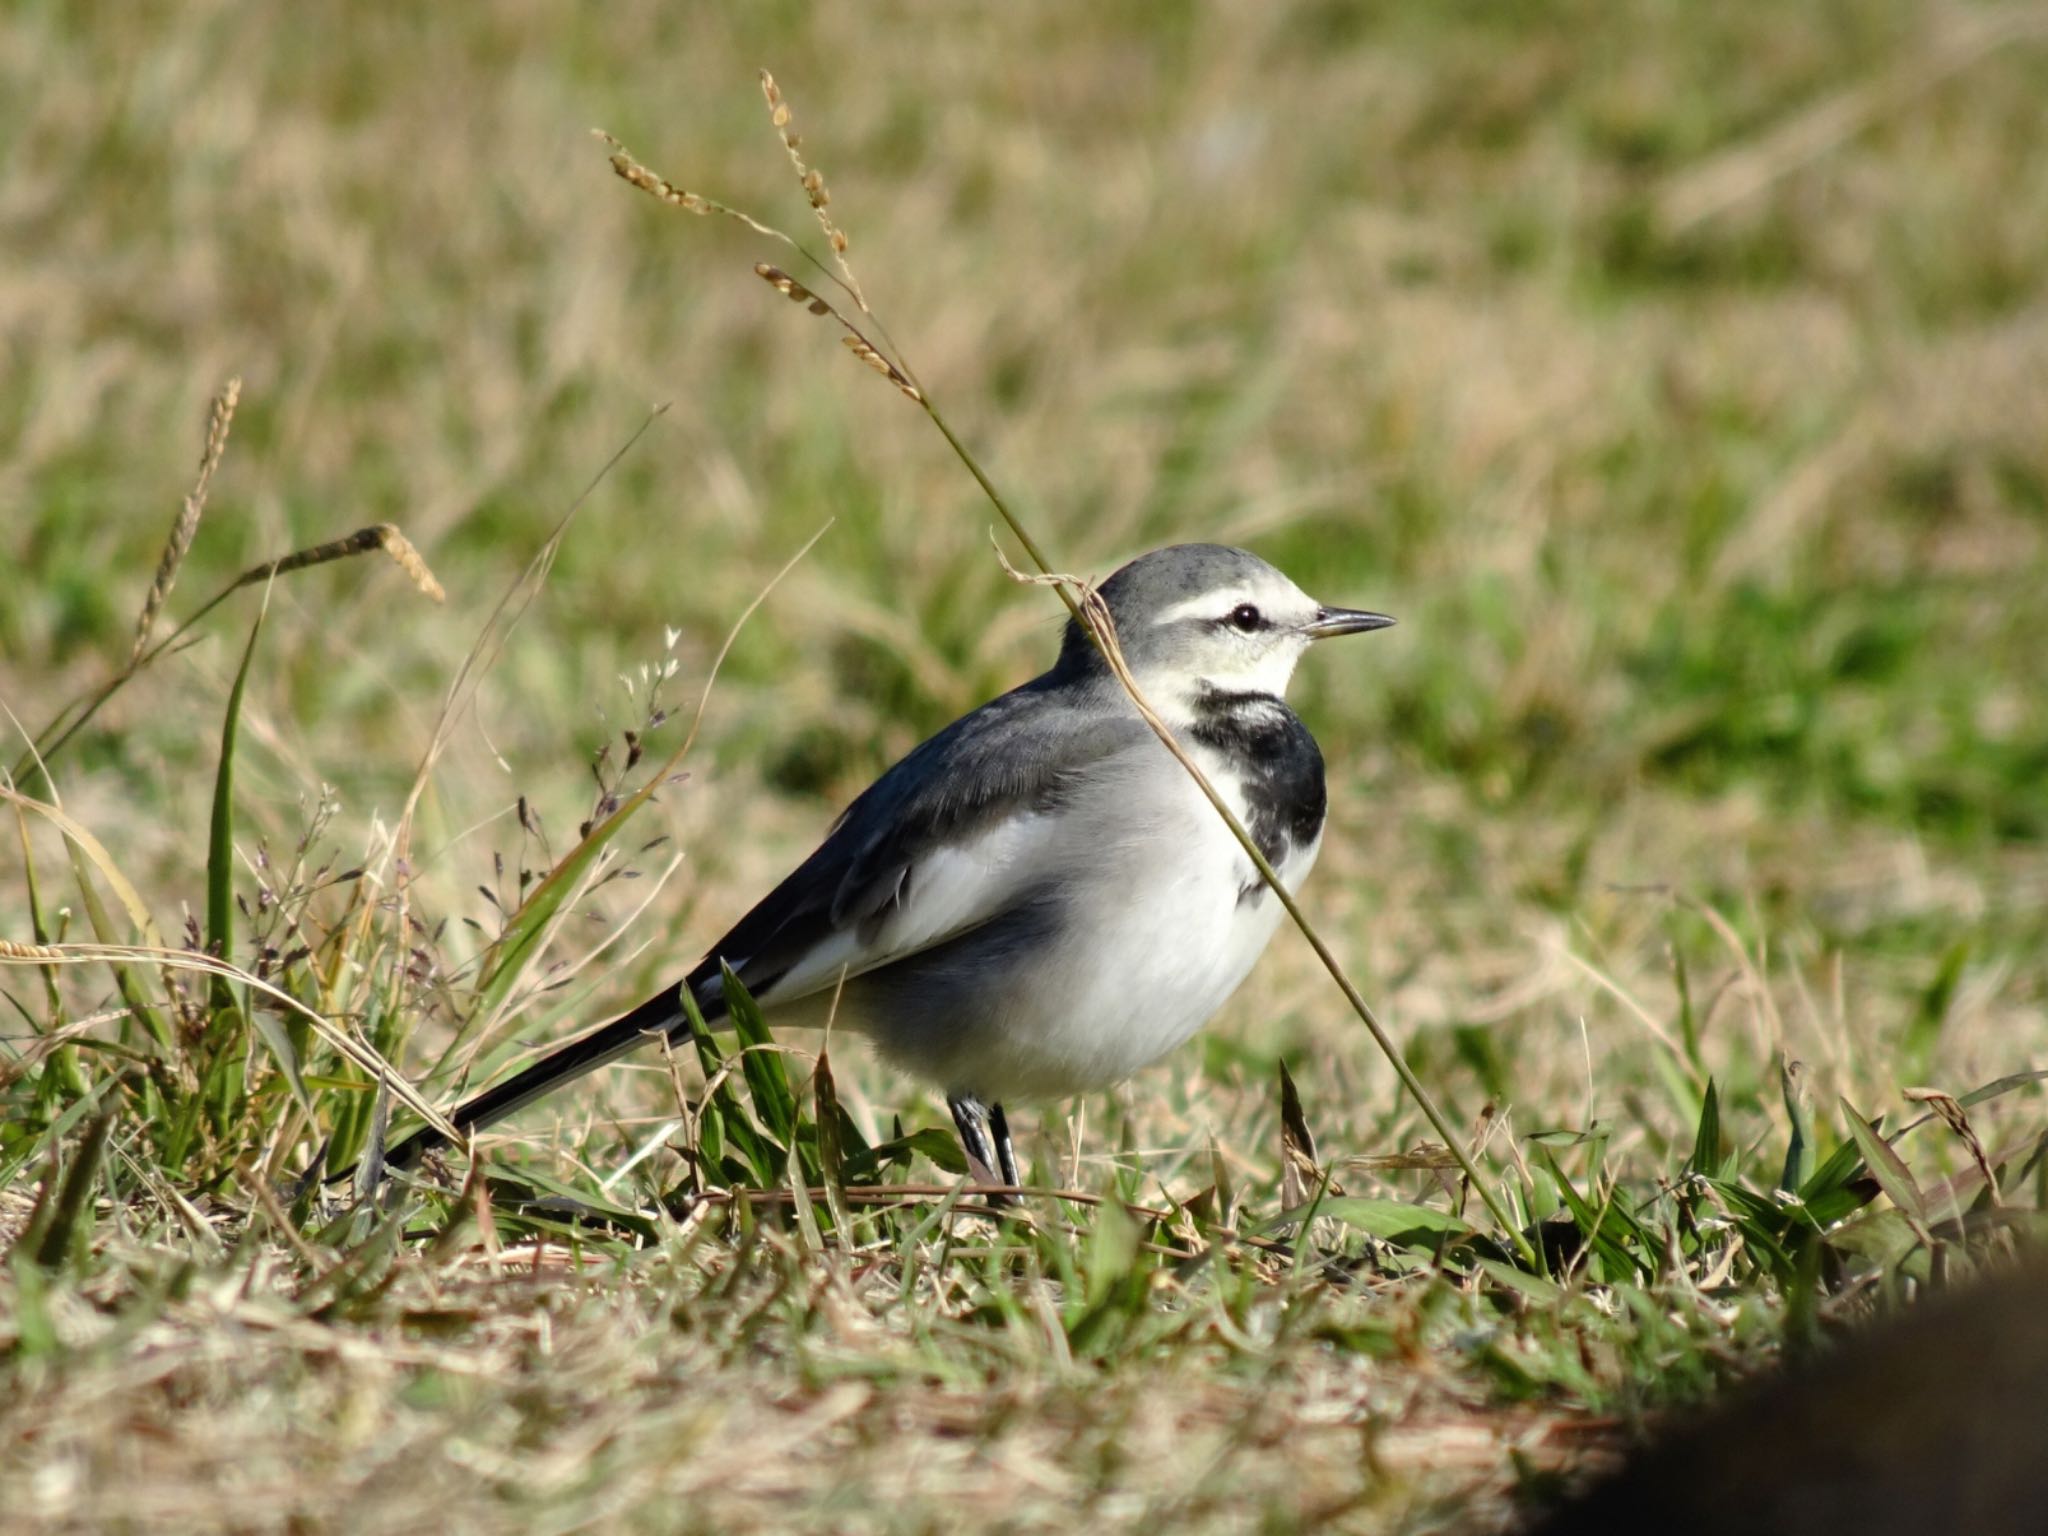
<point>1038,901</point>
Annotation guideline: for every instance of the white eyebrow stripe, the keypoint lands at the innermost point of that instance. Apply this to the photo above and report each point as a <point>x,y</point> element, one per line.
<point>1209,605</point>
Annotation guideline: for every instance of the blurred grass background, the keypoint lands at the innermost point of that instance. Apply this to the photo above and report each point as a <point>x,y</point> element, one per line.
<point>1718,540</point>
<point>1678,375</point>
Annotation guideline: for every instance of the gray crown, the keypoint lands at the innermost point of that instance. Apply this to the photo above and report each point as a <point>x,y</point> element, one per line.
<point>1153,583</point>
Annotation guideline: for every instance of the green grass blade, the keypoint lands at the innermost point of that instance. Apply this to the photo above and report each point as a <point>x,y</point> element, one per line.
<point>1887,1167</point>
<point>31,889</point>
<point>1841,1169</point>
<point>761,1063</point>
<point>86,854</point>
<point>2000,1088</point>
<point>278,1041</point>
<point>1845,1201</point>
<point>64,1071</point>
<point>220,842</point>
<point>1393,1221</point>
<point>709,1057</point>
<point>62,1234</point>
<point>1799,1143</point>
<point>831,1147</point>
<point>1537,1289</point>
<point>527,929</point>
<point>125,980</point>
<point>1603,1226</point>
<point>940,1149</point>
<point>1706,1141</point>
<point>761,1160</point>
<point>1688,1016</point>
<point>534,1191</point>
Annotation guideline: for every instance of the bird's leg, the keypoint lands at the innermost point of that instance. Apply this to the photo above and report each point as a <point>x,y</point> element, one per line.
<point>971,1118</point>
<point>1006,1155</point>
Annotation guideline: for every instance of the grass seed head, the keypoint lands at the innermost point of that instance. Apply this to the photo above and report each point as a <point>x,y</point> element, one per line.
<point>856,343</point>
<point>658,186</point>
<point>864,349</point>
<point>187,523</point>
<point>789,287</point>
<point>408,559</point>
<point>384,536</point>
<point>649,182</point>
<point>812,180</point>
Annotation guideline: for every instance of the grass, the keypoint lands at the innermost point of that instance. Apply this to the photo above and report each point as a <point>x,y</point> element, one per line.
<point>1709,743</point>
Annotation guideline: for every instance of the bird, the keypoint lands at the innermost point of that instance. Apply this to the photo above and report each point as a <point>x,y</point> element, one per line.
<point>1037,901</point>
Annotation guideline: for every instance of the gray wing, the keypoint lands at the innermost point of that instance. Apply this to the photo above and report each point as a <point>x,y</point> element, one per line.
<point>938,845</point>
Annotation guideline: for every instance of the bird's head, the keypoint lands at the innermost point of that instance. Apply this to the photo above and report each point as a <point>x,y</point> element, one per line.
<point>1192,617</point>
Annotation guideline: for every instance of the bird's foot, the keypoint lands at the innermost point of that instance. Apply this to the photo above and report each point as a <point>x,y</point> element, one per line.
<point>1006,1155</point>
<point>985,1138</point>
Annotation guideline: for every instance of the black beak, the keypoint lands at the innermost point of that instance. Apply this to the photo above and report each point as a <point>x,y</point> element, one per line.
<point>1343,621</point>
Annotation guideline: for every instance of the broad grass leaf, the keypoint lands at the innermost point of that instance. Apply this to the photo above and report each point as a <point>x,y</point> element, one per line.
<point>1611,1231</point>
<point>1887,1167</point>
<point>1843,1167</point>
<point>762,1160</point>
<point>939,1147</point>
<point>1115,1284</point>
<point>800,1205</point>
<point>2001,1087</point>
<point>1883,1237</point>
<point>1394,1221</point>
<point>546,1196</point>
<point>761,1063</point>
<point>1706,1140</point>
<point>1762,1222</point>
<point>1535,1287</point>
<point>278,1041</point>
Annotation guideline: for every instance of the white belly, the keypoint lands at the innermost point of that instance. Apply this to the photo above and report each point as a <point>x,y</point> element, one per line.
<point>1156,935</point>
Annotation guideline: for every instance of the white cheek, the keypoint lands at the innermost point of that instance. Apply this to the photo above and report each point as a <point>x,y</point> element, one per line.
<point>1267,670</point>
<point>1277,668</point>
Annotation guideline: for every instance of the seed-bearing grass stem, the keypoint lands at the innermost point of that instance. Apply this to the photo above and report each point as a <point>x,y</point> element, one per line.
<point>1082,601</point>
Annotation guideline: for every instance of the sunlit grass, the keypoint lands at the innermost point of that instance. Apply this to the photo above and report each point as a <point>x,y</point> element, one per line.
<point>1690,818</point>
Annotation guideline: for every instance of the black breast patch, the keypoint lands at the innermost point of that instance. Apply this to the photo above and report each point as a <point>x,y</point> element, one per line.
<point>1277,765</point>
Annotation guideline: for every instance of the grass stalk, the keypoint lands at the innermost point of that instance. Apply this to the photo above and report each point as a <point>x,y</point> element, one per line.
<point>387,537</point>
<point>1080,599</point>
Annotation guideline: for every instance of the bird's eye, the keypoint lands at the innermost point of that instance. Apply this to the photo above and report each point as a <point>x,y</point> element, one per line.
<point>1245,617</point>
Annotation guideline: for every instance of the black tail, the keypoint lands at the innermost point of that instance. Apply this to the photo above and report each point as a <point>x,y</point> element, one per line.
<point>661,1014</point>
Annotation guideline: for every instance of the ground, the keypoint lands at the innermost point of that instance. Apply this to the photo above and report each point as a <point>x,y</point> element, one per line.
<point>1677,376</point>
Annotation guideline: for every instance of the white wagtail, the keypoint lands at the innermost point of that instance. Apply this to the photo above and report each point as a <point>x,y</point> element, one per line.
<point>1038,901</point>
